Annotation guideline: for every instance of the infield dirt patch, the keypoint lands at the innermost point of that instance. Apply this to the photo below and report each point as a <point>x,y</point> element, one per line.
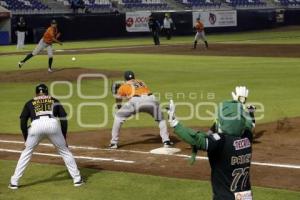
<point>42,75</point>
<point>276,142</point>
<point>215,49</point>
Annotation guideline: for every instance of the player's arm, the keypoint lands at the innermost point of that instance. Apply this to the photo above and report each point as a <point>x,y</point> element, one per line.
<point>56,41</point>
<point>198,140</point>
<point>59,111</point>
<point>54,38</point>
<point>24,120</point>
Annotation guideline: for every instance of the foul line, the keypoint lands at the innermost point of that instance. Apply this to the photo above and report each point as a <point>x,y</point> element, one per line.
<point>278,165</point>
<point>77,157</point>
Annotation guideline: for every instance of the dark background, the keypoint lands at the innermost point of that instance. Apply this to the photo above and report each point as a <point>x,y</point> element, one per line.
<point>111,25</point>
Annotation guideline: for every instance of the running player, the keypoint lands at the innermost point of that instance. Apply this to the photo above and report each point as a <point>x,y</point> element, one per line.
<point>50,36</point>
<point>43,110</point>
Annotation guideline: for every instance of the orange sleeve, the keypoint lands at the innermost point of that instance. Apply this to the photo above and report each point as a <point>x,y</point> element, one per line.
<point>125,90</point>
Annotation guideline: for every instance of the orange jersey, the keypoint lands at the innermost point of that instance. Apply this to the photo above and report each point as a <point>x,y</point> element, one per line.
<point>133,88</point>
<point>199,26</point>
<point>49,35</point>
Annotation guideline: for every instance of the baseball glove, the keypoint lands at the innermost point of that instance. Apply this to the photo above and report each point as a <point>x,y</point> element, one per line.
<point>115,87</point>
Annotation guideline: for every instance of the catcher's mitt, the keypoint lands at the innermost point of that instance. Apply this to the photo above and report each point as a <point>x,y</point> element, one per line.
<point>115,87</point>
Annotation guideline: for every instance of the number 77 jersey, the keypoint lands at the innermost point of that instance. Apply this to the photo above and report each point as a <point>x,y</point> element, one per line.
<point>230,160</point>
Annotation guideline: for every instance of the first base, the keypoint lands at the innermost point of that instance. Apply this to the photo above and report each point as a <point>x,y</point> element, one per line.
<point>165,151</point>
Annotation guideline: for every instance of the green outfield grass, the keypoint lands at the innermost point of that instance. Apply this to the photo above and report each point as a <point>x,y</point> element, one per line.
<point>289,35</point>
<point>272,81</point>
<point>43,181</point>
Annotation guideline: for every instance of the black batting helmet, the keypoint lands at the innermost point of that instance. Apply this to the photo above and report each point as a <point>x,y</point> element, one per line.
<point>41,88</point>
<point>128,75</point>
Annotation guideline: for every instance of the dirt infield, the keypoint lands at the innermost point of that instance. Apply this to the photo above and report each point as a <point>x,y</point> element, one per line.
<point>275,143</point>
<point>253,50</point>
<point>216,49</point>
<point>62,74</point>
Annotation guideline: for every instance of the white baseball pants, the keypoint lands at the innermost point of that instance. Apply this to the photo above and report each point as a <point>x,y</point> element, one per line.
<point>45,127</point>
<point>21,39</point>
<point>146,104</point>
<point>41,46</point>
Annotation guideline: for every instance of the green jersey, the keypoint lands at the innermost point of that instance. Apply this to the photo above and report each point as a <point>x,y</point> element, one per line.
<point>229,158</point>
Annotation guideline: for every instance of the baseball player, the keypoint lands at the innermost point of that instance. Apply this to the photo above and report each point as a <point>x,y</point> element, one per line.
<point>168,26</point>
<point>140,99</point>
<point>200,34</point>
<point>229,147</point>
<point>21,31</point>
<point>154,27</point>
<point>50,36</point>
<point>43,111</point>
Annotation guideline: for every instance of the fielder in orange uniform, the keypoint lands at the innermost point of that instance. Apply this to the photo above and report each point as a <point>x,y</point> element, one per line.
<point>50,36</point>
<point>139,99</point>
<point>200,34</point>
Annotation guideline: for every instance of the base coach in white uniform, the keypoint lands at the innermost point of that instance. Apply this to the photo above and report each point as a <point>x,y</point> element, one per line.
<point>44,111</point>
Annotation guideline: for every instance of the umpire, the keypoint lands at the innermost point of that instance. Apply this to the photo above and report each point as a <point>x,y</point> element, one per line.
<point>229,147</point>
<point>154,27</point>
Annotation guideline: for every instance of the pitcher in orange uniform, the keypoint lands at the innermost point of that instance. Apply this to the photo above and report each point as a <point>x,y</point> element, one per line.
<point>50,36</point>
<point>200,34</point>
<point>140,99</point>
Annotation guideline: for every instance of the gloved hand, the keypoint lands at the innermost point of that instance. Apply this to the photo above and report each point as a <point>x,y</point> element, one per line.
<point>171,114</point>
<point>240,94</point>
<point>118,106</point>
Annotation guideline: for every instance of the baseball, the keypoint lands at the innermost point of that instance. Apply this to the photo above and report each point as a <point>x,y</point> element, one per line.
<point>73,58</point>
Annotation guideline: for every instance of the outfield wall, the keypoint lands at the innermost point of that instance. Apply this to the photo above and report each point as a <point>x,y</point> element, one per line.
<point>110,25</point>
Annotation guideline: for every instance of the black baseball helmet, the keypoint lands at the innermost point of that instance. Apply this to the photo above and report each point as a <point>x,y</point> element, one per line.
<point>41,88</point>
<point>128,75</point>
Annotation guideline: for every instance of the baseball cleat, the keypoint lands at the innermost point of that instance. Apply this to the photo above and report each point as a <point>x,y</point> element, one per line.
<point>113,146</point>
<point>20,64</point>
<point>50,70</point>
<point>13,187</point>
<point>79,183</point>
<point>168,144</point>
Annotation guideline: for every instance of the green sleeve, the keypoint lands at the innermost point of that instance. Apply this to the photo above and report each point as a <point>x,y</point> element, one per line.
<point>191,137</point>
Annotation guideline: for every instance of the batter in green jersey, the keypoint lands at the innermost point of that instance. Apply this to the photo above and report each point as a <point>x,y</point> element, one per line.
<point>228,145</point>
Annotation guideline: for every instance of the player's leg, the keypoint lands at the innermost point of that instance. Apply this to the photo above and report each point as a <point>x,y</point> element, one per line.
<point>40,46</point>
<point>22,40</point>
<point>121,115</point>
<point>18,39</point>
<point>168,33</point>
<point>153,36</point>
<point>157,38</point>
<point>50,57</point>
<point>151,106</point>
<point>203,38</point>
<point>56,137</point>
<point>196,39</point>
<point>32,141</point>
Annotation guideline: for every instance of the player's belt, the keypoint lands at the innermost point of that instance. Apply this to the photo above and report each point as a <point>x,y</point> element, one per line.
<point>142,95</point>
<point>38,117</point>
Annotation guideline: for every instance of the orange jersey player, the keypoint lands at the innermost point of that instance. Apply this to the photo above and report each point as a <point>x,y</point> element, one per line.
<point>50,36</point>
<point>200,34</point>
<point>140,99</point>
<point>199,26</point>
<point>133,88</point>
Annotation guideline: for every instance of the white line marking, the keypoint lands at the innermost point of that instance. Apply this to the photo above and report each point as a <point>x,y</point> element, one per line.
<point>115,48</point>
<point>77,157</point>
<point>278,165</point>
